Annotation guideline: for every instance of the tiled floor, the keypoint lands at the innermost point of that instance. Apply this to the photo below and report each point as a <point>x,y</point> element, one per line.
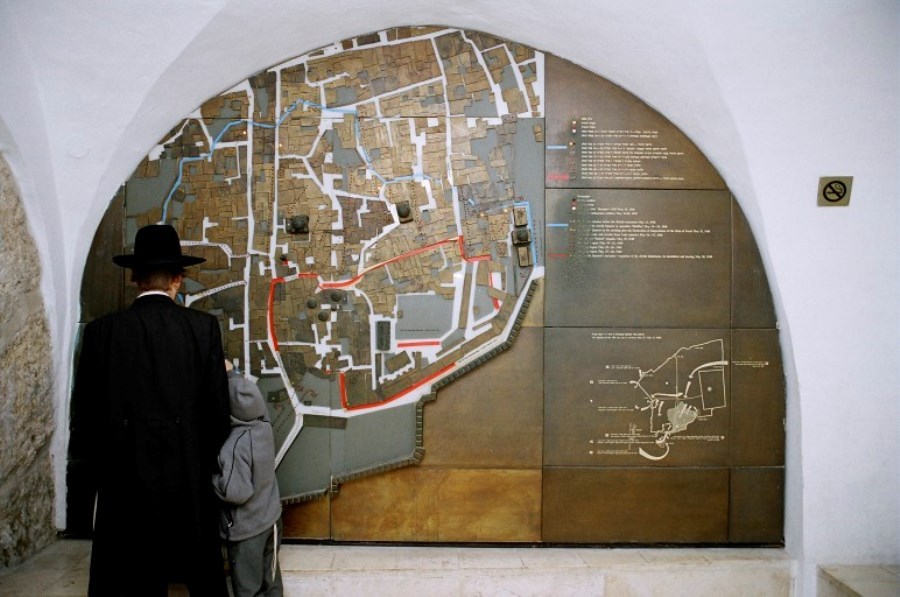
<point>62,569</point>
<point>866,581</point>
<point>332,570</point>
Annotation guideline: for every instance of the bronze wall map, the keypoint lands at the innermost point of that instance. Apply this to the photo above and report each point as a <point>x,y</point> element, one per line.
<point>439,248</point>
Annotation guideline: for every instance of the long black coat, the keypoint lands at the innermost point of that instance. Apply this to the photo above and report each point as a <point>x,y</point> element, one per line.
<point>149,413</point>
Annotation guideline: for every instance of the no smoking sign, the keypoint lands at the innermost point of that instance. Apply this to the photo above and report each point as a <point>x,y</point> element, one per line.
<point>835,190</point>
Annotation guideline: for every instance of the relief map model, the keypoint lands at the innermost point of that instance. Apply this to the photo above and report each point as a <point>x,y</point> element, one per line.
<point>431,246</point>
<point>368,213</point>
<point>434,247</point>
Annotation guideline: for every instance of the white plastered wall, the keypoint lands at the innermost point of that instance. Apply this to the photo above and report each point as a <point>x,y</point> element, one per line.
<point>776,92</point>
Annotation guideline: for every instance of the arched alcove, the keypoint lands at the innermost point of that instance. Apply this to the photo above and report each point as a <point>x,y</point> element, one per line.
<point>490,297</point>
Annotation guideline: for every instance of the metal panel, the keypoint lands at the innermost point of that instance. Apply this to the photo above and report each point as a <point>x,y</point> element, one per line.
<point>307,520</point>
<point>601,136</point>
<point>638,258</point>
<point>103,283</point>
<point>758,405</point>
<point>757,505</point>
<point>751,298</point>
<point>439,504</point>
<point>648,263</point>
<point>632,397</point>
<point>493,417</point>
<point>589,505</point>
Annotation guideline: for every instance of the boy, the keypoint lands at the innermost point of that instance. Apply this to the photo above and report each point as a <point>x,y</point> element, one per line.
<point>246,484</point>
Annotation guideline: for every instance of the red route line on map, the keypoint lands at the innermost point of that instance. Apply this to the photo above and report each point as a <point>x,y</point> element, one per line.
<point>396,396</point>
<point>353,281</point>
<point>271,311</point>
<point>414,343</point>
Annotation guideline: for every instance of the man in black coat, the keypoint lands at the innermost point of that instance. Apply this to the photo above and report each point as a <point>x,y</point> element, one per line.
<point>149,414</point>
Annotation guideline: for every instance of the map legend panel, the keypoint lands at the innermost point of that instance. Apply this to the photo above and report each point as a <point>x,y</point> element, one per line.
<point>638,258</point>
<point>601,136</point>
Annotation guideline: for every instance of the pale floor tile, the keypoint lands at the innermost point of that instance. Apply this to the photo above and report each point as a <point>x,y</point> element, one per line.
<point>50,583</point>
<point>450,583</point>
<point>370,584</point>
<point>528,583</point>
<point>307,557</point>
<point>699,582</point>
<point>428,558</point>
<point>867,573</point>
<point>552,557</point>
<point>59,570</point>
<point>62,570</point>
<point>491,558</point>
<point>745,554</point>
<point>612,558</point>
<point>867,581</point>
<point>673,556</point>
<point>365,558</point>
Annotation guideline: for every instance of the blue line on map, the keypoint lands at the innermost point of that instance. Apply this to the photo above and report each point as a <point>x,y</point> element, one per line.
<point>557,147</point>
<point>556,225</point>
<point>264,125</point>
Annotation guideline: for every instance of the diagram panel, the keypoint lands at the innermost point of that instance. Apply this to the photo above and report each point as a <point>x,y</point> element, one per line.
<point>632,397</point>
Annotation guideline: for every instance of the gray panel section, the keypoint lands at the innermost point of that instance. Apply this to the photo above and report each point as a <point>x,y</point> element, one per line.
<point>305,468</point>
<point>374,440</point>
<point>424,316</point>
<point>145,193</point>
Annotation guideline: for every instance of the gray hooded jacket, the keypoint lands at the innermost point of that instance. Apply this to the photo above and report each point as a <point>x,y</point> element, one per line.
<point>246,479</point>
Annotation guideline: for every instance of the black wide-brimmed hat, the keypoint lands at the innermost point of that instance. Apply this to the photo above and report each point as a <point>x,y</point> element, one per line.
<point>157,245</point>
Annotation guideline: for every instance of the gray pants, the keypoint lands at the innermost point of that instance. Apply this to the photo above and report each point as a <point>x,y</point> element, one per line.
<point>254,564</point>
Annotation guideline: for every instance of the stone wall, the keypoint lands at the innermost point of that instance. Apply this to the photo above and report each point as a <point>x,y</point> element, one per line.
<point>26,401</point>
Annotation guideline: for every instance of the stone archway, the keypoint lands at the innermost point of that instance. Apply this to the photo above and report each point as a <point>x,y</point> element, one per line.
<point>435,247</point>
<point>26,407</point>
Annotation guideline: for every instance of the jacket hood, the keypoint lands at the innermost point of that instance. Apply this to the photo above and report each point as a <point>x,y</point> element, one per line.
<point>247,403</point>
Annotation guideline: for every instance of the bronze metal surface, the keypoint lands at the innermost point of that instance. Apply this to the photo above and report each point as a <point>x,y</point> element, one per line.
<point>440,504</point>
<point>757,505</point>
<point>601,410</point>
<point>638,258</point>
<point>493,417</point>
<point>608,138</point>
<point>635,505</point>
<point>307,520</point>
<point>645,365</point>
<point>751,299</point>
<point>534,316</point>
<point>102,287</point>
<point>758,401</point>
